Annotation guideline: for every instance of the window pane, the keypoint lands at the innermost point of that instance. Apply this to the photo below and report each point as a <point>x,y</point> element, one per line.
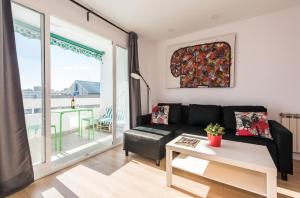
<point>81,91</point>
<point>28,33</point>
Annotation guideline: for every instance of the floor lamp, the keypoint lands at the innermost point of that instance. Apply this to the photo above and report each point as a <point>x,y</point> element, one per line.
<point>138,76</point>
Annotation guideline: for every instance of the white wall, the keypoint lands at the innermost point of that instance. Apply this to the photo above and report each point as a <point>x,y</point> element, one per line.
<point>146,54</point>
<point>267,65</point>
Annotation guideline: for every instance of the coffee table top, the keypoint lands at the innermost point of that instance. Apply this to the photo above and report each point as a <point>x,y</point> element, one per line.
<point>244,155</point>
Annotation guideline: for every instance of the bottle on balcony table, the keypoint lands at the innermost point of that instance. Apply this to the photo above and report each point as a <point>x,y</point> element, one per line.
<point>73,103</point>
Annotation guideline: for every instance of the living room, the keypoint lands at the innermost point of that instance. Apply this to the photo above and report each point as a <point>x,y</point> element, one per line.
<point>149,99</point>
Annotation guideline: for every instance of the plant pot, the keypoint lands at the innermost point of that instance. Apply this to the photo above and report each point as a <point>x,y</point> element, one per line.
<point>214,141</point>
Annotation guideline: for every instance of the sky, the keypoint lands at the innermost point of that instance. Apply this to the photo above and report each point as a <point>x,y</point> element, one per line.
<point>66,66</point>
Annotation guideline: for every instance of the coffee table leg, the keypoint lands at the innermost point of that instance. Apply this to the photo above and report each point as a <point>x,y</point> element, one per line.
<point>169,154</point>
<point>271,185</point>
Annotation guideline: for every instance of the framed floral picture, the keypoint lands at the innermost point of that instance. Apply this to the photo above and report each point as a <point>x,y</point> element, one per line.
<point>204,63</point>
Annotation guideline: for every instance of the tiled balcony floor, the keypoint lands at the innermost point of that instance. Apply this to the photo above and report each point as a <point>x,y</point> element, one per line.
<point>71,144</point>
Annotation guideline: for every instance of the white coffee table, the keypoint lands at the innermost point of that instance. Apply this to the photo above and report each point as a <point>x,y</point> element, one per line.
<point>245,166</point>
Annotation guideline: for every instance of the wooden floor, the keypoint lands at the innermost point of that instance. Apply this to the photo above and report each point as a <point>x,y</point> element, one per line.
<point>112,174</point>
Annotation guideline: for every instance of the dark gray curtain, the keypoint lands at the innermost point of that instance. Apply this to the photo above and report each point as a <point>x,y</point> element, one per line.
<point>134,85</point>
<point>15,161</point>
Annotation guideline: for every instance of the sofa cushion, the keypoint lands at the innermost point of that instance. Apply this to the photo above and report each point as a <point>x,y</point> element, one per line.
<point>252,124</point>
<point>174,112</point>
<point>166,131</point>
<point>202,115</point>
<point>153,130</point>
<point>160,129</point>
<point>184,114</point>
<point>229,121</point>
<point>160,114</point>
<point>195,130</point>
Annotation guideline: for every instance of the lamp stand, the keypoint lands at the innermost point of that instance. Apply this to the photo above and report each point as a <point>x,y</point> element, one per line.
<point>138,76</point>
<point>148,94</point>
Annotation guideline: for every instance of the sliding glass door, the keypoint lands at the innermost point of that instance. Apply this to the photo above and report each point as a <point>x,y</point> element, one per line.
<point>75,89</point>
<point>29,35</point>
<point>81,92</point>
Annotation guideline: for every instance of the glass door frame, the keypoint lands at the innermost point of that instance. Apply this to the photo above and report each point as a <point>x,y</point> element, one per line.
<point>115,45</point>
<point>46,168</point>
<point>42,167</point>
<point>114,111</point>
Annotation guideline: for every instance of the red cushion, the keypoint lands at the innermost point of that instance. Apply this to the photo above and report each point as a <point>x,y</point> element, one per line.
<point>252,124</point>
<point>160,114</point>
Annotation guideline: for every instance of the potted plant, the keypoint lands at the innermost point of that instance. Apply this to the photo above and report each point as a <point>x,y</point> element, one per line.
<point>214,134</point>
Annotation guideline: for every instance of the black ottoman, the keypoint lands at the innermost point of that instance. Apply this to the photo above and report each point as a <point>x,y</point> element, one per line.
<point>147,144</point>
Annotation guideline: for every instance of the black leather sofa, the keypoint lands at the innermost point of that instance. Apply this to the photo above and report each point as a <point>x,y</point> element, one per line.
<point>194,118</point>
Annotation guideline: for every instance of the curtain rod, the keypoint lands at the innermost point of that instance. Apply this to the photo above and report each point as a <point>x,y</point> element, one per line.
<point>91,11</point>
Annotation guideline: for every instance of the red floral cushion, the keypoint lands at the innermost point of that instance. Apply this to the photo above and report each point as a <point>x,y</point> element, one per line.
<point>160,114</point>
<point>252,124</point>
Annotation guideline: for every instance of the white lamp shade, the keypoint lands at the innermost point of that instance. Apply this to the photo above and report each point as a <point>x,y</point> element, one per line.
<point>135,76</point>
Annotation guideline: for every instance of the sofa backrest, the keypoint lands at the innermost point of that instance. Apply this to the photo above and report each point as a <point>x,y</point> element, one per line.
<point>184,114</point>
<point>202,115</point>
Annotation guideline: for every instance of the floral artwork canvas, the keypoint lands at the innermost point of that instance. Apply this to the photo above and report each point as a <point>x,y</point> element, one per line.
<point>206,63</point>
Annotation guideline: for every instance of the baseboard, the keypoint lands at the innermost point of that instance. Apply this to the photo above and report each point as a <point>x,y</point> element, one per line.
<point>296,156</point>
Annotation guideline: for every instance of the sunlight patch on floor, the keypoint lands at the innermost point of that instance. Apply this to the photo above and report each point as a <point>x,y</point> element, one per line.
<point>79,148</point>
<point>132,180</point>
<point>52,192</point>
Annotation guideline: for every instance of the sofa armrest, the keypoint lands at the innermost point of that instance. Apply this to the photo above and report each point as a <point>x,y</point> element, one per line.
<point>143,119</point>
<point>283,139</point>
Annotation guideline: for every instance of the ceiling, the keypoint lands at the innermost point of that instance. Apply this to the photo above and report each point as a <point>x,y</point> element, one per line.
<point>78,34</point>
<point>163,19</point>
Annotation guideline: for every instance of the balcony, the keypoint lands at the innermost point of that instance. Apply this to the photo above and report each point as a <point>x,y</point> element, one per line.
<point>72,141</point>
